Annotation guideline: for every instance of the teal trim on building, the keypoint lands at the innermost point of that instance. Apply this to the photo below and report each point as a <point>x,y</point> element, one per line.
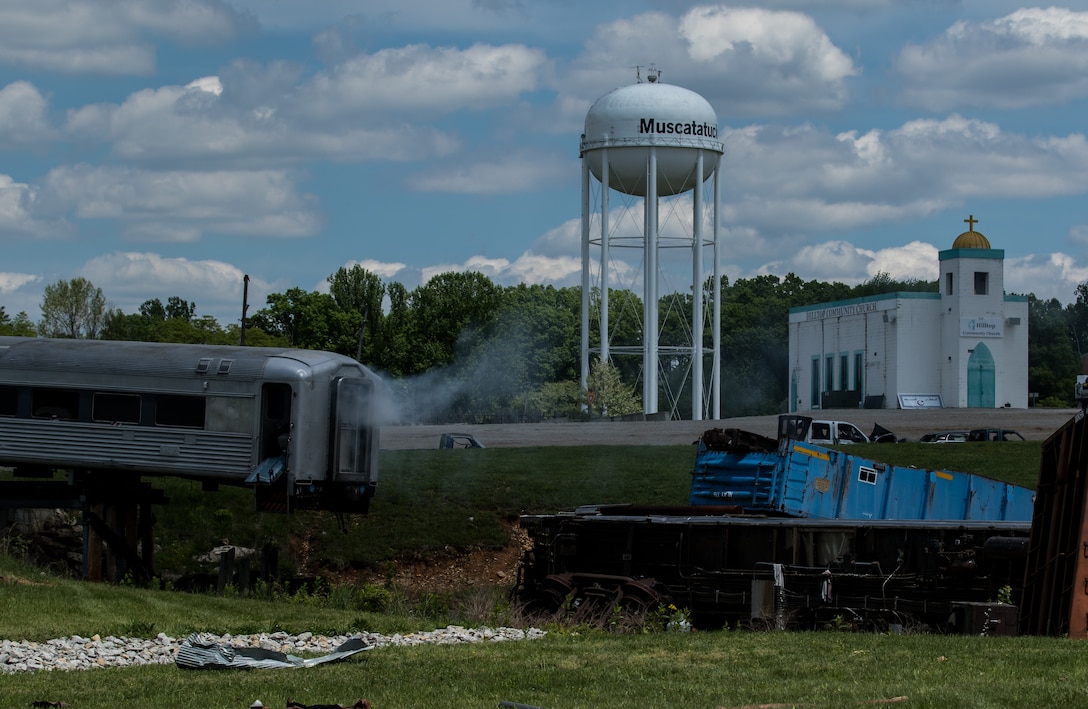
<point>899,295</point>
<point>972,253</point>
<point>981,378</point>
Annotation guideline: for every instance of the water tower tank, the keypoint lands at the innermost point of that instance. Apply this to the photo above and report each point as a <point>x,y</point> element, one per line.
<point>630,119</point>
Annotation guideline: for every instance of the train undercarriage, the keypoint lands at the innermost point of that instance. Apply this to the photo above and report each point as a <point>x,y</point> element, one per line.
<point>729,569</point>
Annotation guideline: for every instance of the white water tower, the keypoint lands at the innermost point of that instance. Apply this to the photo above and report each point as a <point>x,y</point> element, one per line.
<point>652,140</point>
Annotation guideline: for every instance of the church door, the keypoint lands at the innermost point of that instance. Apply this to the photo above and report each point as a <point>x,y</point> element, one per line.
<point>981,378</point>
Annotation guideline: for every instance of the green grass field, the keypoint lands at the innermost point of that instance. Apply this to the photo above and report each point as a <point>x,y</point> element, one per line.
<point>432,501</point>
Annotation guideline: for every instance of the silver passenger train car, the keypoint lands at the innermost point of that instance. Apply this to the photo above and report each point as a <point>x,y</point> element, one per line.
<point>300,426</point>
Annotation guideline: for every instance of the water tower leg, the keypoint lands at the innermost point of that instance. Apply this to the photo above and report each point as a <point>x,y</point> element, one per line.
<point>585,278</point>
<point>649,332</point>
<point>697,294</point>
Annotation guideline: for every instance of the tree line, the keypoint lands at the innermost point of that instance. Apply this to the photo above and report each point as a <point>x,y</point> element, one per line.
<point>462,348</point>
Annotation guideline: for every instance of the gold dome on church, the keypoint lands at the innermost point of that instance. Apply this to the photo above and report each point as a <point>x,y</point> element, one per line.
<point>971,239</point>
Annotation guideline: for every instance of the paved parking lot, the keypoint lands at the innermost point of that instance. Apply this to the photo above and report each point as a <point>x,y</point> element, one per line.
<point>1033,424</point>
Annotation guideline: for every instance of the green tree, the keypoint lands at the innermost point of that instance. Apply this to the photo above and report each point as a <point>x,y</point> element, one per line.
<point>305,319</point>
<point>391,346</point>
<point>73,309</point>
<point>608,395</point>
<point>449,311</point>
<point>178,308</point>
<point>358,293</point>
<point>20,326</point>
<point>1052,361</point>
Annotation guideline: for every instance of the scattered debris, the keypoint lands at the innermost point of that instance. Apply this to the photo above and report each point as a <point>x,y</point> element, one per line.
<point>198,653</point>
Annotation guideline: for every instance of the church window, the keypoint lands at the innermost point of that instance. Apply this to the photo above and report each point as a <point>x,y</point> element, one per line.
<point>948,284</point>
<point>815,393</point>
<point>981,283</point>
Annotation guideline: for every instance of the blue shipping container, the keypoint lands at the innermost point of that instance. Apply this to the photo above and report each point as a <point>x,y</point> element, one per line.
<point>805,480</point>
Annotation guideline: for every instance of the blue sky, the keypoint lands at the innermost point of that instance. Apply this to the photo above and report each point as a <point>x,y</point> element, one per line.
<point>169,147</point>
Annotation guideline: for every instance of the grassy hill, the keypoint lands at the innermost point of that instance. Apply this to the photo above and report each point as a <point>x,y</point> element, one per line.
<point>433,503</point>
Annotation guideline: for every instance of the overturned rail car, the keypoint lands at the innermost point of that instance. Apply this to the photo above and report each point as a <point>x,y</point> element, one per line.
<point>298,426</point>
<point>727,567</point>
<point>793,534</point>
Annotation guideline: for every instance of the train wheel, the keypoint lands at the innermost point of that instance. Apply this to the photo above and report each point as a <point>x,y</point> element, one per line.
<point>641,595</point>
<point>556,591</point>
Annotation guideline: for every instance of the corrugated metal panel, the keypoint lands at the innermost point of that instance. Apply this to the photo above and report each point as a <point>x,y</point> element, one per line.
<point>805,480</point>
<point>138,358</point>
<point>1055,598</point>
<point>738,479</point>
<point>148,450</point>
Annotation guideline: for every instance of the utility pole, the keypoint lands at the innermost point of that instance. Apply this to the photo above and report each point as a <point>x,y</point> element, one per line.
<point>245,306</point>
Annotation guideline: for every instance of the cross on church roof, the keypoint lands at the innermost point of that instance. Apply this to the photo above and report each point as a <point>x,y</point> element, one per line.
<point>970,222</point>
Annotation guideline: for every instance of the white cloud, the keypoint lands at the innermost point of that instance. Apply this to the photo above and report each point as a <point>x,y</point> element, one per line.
<point>518,171</point>
<point>1079,234</point>
<point>745,61</point>
<point>105,36</point>
<point>1033,56</point>
<point>420,78</point>
<point>1054,275</point>
<point>384,271</point>
<point>10,282</point>
<point>130,278</point>
<point>916,260</point>
<point>24,116</point>
<point>19,215</point>
<point>177,205</point>
<point>246,118</point>
<point>845,262</point>
<point>800,180</point>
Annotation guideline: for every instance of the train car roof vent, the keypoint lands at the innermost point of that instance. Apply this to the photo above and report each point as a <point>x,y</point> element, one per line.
<point>224,366</point>
<point>203,365</point>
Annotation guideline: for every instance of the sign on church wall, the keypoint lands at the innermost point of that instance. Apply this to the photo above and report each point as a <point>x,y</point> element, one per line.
<point>982,327</point>
<point>838,311</point>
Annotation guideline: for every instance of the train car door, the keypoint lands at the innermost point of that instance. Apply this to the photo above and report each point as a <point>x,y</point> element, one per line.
<point>353,453</point>
<point>275,424</point>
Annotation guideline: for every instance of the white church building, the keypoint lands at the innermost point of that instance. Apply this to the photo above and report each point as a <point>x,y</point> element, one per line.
<point>965,346</point>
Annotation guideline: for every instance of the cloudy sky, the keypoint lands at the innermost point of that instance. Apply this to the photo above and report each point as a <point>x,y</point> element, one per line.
<point>169,147</point>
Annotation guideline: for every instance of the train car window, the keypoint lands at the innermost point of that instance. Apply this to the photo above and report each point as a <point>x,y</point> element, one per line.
<point>180,410</point>
<point>9,400</point>
<point>354,429</point>
<point>55,404</point>
<point>115,408</point>
<point>229,413</point>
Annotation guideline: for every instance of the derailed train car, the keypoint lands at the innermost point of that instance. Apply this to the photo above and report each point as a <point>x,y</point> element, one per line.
<point>728,567</point>
<point>299,426</point>
<point>796,535</point>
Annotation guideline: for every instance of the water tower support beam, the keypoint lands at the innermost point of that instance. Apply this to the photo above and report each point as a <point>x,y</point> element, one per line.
<point>605,256</point>
<point>650,336</point>
<point>716,385</point>
<point>697,293</point>
<point>585,276</point>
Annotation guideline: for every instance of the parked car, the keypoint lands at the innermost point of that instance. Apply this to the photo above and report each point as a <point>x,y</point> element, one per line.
<point>994,434</point>
<point>946,437</point>
<point>458,440</point>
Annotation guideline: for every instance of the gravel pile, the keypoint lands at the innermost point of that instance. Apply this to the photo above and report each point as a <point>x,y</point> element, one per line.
<point>79,653</point>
